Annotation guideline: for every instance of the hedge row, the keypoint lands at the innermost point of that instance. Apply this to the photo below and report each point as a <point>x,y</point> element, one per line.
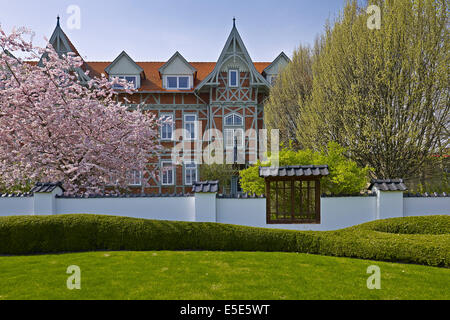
<point>411,225</point>
<point>76,233</point>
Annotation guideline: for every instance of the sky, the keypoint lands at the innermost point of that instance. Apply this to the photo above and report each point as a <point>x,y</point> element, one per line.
<point>153,30</point>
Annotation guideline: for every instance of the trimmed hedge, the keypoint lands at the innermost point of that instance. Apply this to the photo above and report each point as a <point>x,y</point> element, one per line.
<point>411,225</point>
<point>375,240</point>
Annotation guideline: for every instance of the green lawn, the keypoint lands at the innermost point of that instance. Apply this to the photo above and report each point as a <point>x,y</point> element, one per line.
<point>214,275</point>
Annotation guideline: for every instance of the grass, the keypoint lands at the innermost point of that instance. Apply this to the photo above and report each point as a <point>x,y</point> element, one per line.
<point>215,275</point>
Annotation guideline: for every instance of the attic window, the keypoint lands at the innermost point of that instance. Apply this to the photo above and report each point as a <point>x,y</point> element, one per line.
<point>132,79</point>
<point>178,82</point>
<point>233,78</point>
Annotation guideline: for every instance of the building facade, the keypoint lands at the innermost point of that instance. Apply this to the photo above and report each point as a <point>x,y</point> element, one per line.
<point>201,103</point>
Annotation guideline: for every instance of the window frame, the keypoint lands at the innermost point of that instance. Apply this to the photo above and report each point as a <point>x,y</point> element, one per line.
<point>178,87</point>
<point>171,115</point>
<point>234,115</point>
<point>195,122</point>
<point>122,76</point>
<point>162,173</point>
<point>195,169</point>
<point>133,176</point>
<point>237,78</point>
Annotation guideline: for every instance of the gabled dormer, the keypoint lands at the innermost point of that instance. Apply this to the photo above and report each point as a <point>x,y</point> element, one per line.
<point>274,69</point>
<point>177,73</point>
<point>234,60</point>
<point>123,67</point>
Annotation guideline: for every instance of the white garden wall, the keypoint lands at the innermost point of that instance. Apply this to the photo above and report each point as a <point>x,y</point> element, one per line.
<point>336,212</point>
<point>426,206</point>
<point>16,206</point>
<point>170,208</point>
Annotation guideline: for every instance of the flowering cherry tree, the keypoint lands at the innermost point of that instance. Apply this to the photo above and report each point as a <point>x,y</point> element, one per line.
<point>55,128</point>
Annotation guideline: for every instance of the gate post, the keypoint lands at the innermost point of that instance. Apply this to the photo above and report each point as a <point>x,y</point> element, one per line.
<point>389,198</point>
<point>44,194</point>
<point>205,201</point>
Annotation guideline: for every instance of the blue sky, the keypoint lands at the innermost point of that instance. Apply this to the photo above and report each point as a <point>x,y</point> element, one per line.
<point>153,30</point>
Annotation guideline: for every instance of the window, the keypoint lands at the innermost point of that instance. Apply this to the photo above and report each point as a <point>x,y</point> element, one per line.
<point>190,127</point>
<point>190,173</point>
<point>178,82</point>
<point>183,82</point>
<point>234,136</point>
<point>233,78</point>
<point>132,79</point>
<point>135,178</point>
<point>233,120</point>
<point>172,82</point>
<point>167,125</point>
<point>167,174</point>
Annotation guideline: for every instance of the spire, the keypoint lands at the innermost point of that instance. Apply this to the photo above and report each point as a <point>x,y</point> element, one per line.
<point>57,21</point>
<point>234,22</point>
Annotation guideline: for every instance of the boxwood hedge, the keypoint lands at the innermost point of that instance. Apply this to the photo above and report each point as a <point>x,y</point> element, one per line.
<point>420,240</point>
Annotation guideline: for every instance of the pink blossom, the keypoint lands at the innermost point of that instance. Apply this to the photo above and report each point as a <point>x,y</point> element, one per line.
<point>54,128</point>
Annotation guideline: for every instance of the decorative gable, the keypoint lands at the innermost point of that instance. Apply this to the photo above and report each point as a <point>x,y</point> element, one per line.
<point>234,56</point>
<point>63,45</point>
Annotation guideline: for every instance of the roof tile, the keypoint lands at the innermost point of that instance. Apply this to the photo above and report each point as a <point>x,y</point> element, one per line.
<point>46,187</point>
<point>294,171</point>
<point>206,187</point>
<point>153,82</point>
<point>388,185</point>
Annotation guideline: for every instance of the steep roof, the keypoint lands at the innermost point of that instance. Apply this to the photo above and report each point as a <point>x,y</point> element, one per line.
<point>152,81</point>
<point>235,49</point>
<point>62,44</point>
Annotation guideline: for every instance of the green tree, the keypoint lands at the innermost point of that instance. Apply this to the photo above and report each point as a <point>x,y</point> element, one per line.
<point>220,172</point>
<point>383,94</point>
<point>345,175</point>
<point>290,93</point>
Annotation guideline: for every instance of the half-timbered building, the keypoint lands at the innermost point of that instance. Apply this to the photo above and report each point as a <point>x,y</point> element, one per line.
<point>226,95</point>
